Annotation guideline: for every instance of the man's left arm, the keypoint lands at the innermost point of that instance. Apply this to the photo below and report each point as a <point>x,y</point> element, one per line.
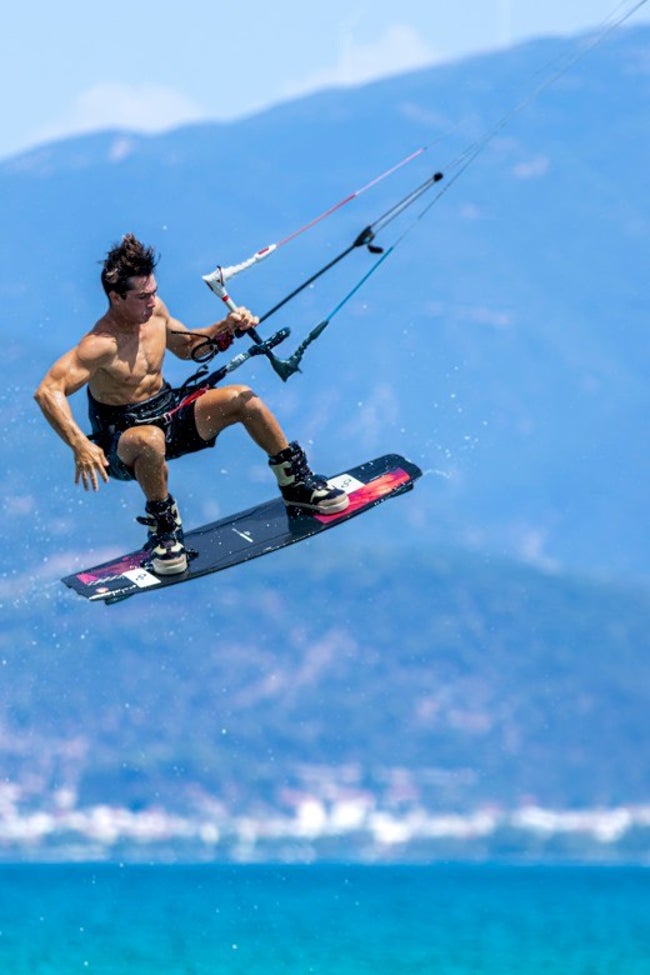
<point>181,341</point>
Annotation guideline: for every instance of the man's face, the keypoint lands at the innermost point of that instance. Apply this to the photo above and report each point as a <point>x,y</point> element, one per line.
<point>138,303</point>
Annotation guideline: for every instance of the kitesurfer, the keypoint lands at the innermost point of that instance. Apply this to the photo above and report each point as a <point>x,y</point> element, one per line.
<point>139,422</point>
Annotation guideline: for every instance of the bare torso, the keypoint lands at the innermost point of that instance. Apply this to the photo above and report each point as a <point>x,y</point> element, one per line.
<point>130,359</point>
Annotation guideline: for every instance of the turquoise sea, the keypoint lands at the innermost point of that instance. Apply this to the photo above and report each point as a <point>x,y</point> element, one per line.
<point>326,920</point>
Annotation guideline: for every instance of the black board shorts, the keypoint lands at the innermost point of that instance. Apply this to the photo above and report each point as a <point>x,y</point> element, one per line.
<point>172,410</point>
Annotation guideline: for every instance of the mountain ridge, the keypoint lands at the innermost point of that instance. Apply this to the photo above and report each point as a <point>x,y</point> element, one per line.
<point>323,674</point>
<point>488,632</point>
<point>526,334</point>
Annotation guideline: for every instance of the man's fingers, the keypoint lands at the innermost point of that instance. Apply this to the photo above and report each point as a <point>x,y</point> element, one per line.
<point>87,475</point>
<point>244,318</point>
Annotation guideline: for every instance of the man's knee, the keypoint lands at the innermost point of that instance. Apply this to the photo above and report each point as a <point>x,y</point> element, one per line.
<point>144,441</point>
<point>241,398</point>
<point>232,403</point>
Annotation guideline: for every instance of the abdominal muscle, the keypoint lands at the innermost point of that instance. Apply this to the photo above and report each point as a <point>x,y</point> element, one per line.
<point>135,372</point>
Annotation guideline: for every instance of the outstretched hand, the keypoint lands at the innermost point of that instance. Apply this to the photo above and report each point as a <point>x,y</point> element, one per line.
<point>90,465</point>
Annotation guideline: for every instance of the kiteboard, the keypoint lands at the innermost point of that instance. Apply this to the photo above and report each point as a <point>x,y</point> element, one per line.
<point>249,534</point>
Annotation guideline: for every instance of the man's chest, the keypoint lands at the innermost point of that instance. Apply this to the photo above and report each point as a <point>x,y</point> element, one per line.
<point>138,357</point>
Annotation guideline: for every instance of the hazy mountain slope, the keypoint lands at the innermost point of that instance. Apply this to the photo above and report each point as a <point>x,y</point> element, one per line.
<point>502,345</point>
<point>511,682</point>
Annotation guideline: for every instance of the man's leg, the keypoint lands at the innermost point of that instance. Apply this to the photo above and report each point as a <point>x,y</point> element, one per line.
<point>221,408</point>
<point>300,487</point>
<point>143,449</point>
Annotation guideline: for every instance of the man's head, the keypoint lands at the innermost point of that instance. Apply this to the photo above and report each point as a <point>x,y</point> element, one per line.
<point>126,260</point>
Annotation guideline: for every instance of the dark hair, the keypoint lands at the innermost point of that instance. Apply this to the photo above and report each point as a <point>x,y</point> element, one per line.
<point>128,259</point>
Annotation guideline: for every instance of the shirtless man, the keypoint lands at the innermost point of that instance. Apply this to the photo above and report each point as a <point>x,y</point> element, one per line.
<point>139,422</point>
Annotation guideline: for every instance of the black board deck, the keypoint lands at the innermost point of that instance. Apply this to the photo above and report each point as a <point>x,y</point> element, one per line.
<point>247,535</point>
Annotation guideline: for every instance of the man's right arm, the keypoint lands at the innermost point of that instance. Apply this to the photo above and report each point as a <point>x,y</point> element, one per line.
<point>72,371</point>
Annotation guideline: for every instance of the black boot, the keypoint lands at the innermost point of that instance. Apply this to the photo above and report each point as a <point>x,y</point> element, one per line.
<point>166,541</point>
<point>301,488</point>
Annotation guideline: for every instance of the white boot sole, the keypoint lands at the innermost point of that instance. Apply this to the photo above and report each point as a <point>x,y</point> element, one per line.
<point>171,567</point>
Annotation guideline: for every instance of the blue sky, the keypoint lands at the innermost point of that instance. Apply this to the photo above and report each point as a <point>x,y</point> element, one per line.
<point>76,66</point>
